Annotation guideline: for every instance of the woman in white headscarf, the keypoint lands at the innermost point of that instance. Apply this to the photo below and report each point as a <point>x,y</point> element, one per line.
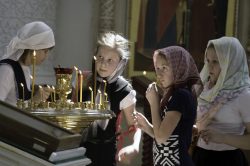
<point>14,65</point>
<point>223,117</point>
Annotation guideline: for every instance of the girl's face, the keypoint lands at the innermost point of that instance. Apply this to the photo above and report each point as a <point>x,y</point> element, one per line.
<point>41,55</point>
<point>163,71</point>
<point>213,65</point>
<point>107,59</point>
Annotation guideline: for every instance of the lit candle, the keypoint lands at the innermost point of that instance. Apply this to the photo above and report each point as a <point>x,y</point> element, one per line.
<point>76,83</point>
<point>100,97</point>
<point>51,94</point>
<point>23,90</point>
<point>95,74</point>
<point>81,78</point>
<point>33,74</point>
<point>54,92</point>
<point>105,86</point>
<point>41,93</point>
<point>92,96</point>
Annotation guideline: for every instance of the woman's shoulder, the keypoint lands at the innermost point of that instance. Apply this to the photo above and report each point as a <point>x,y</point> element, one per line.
<point>123,85</point>
<point>182,92</point>
<point>183,95</point>
<point>245,95</point>
<point>6,73</point>
<point>6,69</point>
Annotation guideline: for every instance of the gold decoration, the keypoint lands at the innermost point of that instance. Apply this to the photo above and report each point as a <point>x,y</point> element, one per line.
<point>72,116</point>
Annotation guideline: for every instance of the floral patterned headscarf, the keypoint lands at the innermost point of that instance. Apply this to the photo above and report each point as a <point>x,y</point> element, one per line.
<point>184,69</point>
<point>234,75</point>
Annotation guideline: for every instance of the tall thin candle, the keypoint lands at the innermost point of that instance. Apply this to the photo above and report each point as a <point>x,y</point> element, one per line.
<point>80,85</point>
<point>100,97</point>
<point>41,92</point>
<point>95,74</point>
<point>76,84</point>
<point>22,90</point>
<point>33,75</point>
<point>51,93</point>
<point>92,96</point>
<point>54,92</point>
<point>105,86</point>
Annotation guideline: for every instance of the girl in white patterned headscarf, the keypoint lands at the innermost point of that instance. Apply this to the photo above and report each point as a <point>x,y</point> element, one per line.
<point>14,65</point>
<point>223,115</point>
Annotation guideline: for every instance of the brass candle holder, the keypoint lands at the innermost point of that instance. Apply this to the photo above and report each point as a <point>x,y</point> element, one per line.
<point>63,87</point>
<point>62,111</point>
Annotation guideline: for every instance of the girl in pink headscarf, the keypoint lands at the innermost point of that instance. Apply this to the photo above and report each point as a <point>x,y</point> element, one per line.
<point>174,114</point>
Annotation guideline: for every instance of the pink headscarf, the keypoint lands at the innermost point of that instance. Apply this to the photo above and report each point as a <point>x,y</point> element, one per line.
<point>185,72</point>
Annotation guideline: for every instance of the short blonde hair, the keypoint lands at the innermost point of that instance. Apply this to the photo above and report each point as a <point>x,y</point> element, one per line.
<point>115,41</point>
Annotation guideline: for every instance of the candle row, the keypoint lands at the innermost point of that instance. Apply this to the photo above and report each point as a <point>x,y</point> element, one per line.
<point>53,94</point>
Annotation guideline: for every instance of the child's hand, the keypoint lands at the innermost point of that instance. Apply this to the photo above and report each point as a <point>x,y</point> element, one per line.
<point>152,94</point>
<point>141,121</point>
<point>207,117</point>
<point>212,136</point>
<point>126,154</point>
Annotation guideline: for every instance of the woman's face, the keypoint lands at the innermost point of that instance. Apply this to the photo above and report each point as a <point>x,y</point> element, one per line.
<point>213,65</point>
<point>163,71</point>
<point>107,59</point>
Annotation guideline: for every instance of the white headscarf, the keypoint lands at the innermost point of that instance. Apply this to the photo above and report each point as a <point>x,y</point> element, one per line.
<point>35,35</point>
<point>234,75</point>
<point>121,45</point>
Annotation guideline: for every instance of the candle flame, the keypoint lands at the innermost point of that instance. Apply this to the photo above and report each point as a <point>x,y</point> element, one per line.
<point>22,85</point>
<point>34,53</point>
<point>90,88</point>
<point>94,58</point>
<point>75,68</point>
<point>31,77</point>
